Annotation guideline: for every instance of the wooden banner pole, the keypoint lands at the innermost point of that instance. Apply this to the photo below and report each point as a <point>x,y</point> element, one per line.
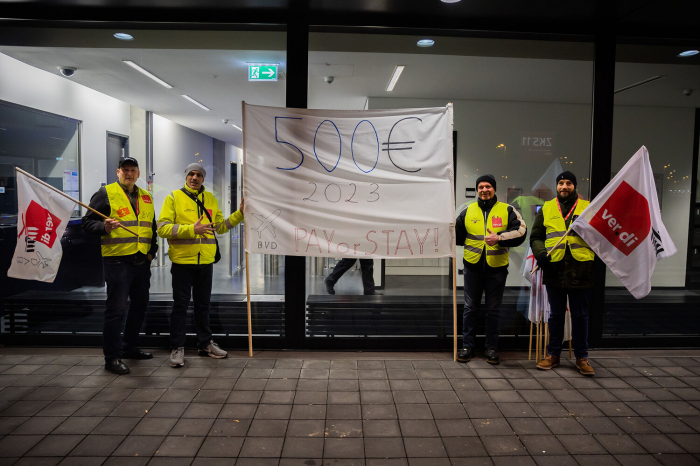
<point>68,197</point>
<point>569,348</point>
<point>454,305</point>
<point>529,347</point>
<point>537,342</point>
<point>546,340</point>
<point>550,251</point>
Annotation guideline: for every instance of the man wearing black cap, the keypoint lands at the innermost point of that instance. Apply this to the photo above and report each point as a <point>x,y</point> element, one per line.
<point>487,229</point>
<point>127,261</point>
<point>567,269</point>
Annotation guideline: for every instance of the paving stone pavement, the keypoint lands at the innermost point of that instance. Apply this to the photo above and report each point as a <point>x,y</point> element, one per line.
<point>66,409</point>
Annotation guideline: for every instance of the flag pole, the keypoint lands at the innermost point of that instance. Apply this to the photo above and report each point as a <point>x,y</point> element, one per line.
<point>245,245</point>
<point>529,347</point>
<point>553,248</point>
<point>454,305</point>
<point>67,196</point>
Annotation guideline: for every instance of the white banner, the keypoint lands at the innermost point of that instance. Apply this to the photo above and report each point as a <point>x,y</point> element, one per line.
<point>623,225</point>
<point>361,184</point>
<point>42,218</point>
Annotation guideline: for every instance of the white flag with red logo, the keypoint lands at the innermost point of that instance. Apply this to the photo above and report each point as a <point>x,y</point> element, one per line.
<point>623,225</point>
<point>42,217</point>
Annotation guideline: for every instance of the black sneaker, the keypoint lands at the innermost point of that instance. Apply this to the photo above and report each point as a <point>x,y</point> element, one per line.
<point>492,357</point>
<point>465,355</point>
<point>329,286</point>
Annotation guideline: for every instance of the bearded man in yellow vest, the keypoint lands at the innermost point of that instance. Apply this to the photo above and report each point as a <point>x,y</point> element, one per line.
<point>568,272</point>
<point>188,220</point>
<point>487,229</point>
<point>127,261</point>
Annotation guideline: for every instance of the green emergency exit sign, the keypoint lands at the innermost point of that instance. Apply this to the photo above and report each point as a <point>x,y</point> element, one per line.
<point>262,72</point>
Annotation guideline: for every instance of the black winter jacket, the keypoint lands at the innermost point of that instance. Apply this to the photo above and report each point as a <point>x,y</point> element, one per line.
<point>516,234</point>
<point>568,272</point>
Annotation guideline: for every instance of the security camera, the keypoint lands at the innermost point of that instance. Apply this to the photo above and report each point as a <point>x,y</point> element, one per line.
<point>67,71</point>
<point>224,121</point>
<point>330,79</point>
<point>687,92</point>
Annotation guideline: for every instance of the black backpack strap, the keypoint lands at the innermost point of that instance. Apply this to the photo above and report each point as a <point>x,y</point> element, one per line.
<point>199,204</point>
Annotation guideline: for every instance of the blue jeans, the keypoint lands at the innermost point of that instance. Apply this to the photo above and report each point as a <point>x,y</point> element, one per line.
<point>578,306</point>
<point>191,281</point>
<point>125,280</point>
<point>476,283</point>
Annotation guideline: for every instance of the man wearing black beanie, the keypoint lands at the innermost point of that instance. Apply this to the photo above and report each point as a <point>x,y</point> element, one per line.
<point>567,269</point>
<point>486,229</point>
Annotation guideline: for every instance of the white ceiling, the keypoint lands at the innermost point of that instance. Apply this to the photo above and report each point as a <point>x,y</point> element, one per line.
<point>218,79</point>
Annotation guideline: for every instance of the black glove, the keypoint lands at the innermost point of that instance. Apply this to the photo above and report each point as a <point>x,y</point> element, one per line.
<point>543,260</point>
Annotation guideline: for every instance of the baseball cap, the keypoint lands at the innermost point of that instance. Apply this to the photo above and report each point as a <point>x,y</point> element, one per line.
<point>130,160</point>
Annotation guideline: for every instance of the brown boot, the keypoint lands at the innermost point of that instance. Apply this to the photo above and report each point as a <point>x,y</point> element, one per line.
<point>550,362</point>
<point>585,367</point>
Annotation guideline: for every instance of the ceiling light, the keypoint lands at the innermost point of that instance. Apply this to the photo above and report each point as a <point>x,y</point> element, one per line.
<point>195,102</point>
<point>426,43</point>
<point>237,127</point>
<point>688,53</point>
<point>123,36</point>
<point>395,77</point>
<point>150,75</point>
<point>450,1</point>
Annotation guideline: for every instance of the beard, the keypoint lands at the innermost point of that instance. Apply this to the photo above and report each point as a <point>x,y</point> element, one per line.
<point>567,195</point>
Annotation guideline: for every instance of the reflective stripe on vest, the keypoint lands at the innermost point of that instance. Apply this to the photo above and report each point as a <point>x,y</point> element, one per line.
<point>474,245</point>
<point>120,242</point>
<point>200,250</point>
<point>556,228</point>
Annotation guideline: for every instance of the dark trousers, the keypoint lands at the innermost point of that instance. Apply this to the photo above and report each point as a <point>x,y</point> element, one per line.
<point>367,266</point>
<point>191,280</point>
<point>477,282</point>
<point>578,306</point>
<point>125,280</point>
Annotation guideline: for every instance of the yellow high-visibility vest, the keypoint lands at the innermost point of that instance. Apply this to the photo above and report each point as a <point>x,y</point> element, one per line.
<point>120,242</point>
<point>556,227</point>
<point>176,223</point>
<point>474,245</point>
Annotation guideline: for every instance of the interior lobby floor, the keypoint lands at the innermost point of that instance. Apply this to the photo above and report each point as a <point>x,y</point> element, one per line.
<point>59,406</point>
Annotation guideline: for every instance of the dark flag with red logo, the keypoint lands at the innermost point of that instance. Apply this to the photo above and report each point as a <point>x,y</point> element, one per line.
<point>623,225</point>
<point>42,219</point>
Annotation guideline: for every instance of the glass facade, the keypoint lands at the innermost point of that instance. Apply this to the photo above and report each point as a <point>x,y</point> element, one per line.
<point>523,112</point>
<point>654,107</point>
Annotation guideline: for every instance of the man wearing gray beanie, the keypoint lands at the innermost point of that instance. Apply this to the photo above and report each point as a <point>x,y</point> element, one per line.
<point>486,229</point>
<point>189,219</point>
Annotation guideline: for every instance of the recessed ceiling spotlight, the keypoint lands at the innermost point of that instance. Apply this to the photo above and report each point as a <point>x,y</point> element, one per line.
<point>688,53</point>
<point>147,73</point>
<point>450,1</point>
<point>426,43</point>
<point>196,103</point>
<point>123,36</point>
<point>237,127</point>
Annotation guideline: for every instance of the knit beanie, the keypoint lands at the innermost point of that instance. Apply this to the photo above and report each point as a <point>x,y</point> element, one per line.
<point>567,175</point>
<point>488,178</point>
<point>196,166</point>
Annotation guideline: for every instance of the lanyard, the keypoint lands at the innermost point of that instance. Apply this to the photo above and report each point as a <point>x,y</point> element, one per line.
<point>570,212</point>
<point>128,199</point>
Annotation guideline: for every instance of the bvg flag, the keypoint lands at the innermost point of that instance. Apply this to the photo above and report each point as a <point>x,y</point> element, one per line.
<point>623,225</point>
<point>42,219</point>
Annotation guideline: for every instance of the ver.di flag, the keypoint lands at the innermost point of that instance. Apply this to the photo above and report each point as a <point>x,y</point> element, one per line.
<point>623,225</point>
<point>42,219</point>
